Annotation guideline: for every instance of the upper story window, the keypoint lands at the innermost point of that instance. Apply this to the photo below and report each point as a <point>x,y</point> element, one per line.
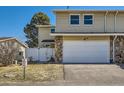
<point>52,29</point>
<point>88,19</point>
<point>74,19</point>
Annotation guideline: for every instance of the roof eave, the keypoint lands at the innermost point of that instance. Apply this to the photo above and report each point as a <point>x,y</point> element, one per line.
<point>65,10</point>
<point>95,34</point>
<point>44,26</point>
<point>16,41</point>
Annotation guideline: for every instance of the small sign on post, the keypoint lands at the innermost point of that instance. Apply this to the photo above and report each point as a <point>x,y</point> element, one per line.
<point>24,65</point>
<point>24,62</point>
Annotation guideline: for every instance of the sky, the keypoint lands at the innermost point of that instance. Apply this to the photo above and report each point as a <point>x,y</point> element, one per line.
<point>14,18</point>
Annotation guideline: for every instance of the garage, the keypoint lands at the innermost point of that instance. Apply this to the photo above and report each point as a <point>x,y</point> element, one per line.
<point>86,51</point>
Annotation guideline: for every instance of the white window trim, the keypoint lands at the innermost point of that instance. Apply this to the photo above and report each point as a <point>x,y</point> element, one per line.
<point>92,20</point>
<point>70,20</point>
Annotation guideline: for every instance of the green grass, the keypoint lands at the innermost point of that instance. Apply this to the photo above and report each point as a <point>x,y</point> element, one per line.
<point>34,72</point>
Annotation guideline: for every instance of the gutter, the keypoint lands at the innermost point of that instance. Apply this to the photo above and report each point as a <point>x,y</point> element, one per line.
<point>89,34</point>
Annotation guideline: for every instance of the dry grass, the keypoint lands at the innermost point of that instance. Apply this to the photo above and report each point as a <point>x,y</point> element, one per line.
<point>38,72</point>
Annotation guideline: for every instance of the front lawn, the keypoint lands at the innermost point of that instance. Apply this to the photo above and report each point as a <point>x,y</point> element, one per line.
<point>37,72</point>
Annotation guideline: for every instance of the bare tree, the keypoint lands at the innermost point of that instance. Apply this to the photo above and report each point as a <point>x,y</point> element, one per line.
<point>8,52</point>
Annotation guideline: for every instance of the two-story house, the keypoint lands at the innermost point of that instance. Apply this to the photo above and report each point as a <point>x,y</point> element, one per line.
<point>89,36</point>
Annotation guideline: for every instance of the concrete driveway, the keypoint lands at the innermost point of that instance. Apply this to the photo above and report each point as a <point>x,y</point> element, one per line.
<point>94,74</point>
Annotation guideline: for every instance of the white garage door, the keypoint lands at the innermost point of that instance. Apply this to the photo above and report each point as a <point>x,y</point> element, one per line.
<point>86,51</point>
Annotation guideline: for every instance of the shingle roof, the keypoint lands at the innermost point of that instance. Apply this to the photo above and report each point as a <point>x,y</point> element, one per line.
<point>3,39</point>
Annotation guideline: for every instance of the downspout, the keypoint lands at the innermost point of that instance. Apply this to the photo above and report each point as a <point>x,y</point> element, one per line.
<point>115,18</point>
<point>105,29</point>
<point>114,48</point>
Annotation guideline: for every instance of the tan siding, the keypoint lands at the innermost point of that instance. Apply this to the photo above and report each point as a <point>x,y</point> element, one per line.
<point>43,33</point>
<point>23,50</point>
<point>62,23</point>
<point>120,22</point>
<point>110,22</point>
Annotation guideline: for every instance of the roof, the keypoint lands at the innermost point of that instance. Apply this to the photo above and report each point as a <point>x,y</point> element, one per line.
<point>62,11</point>
<point>3,39</point>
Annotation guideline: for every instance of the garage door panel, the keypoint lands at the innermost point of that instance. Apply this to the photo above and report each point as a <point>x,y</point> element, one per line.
<point>86,51</point>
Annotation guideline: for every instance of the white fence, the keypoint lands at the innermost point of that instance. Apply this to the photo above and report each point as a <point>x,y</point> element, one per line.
<point>40,54</point>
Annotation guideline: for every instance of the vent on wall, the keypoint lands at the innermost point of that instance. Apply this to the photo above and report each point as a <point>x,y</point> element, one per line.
<point>84,38</point>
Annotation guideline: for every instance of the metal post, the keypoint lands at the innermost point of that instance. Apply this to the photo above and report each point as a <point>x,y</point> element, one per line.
<point>24,64</point>
<point>114,48</point>
<point>24,68</point>
<point>38,55</point>
<point>115,19</point>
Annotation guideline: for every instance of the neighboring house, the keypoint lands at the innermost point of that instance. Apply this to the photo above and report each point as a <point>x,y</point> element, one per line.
<point>44,38</point>
<point>14,42</point>
<point>88,36</point>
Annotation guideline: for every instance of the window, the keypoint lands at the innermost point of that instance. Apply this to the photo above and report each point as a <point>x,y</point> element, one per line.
<point>74,19</point>
<point>52,30</point>
<point>20,53</point>
<point>88,19</point>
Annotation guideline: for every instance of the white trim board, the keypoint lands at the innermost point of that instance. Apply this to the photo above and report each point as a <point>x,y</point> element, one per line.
<point>109,34</point>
